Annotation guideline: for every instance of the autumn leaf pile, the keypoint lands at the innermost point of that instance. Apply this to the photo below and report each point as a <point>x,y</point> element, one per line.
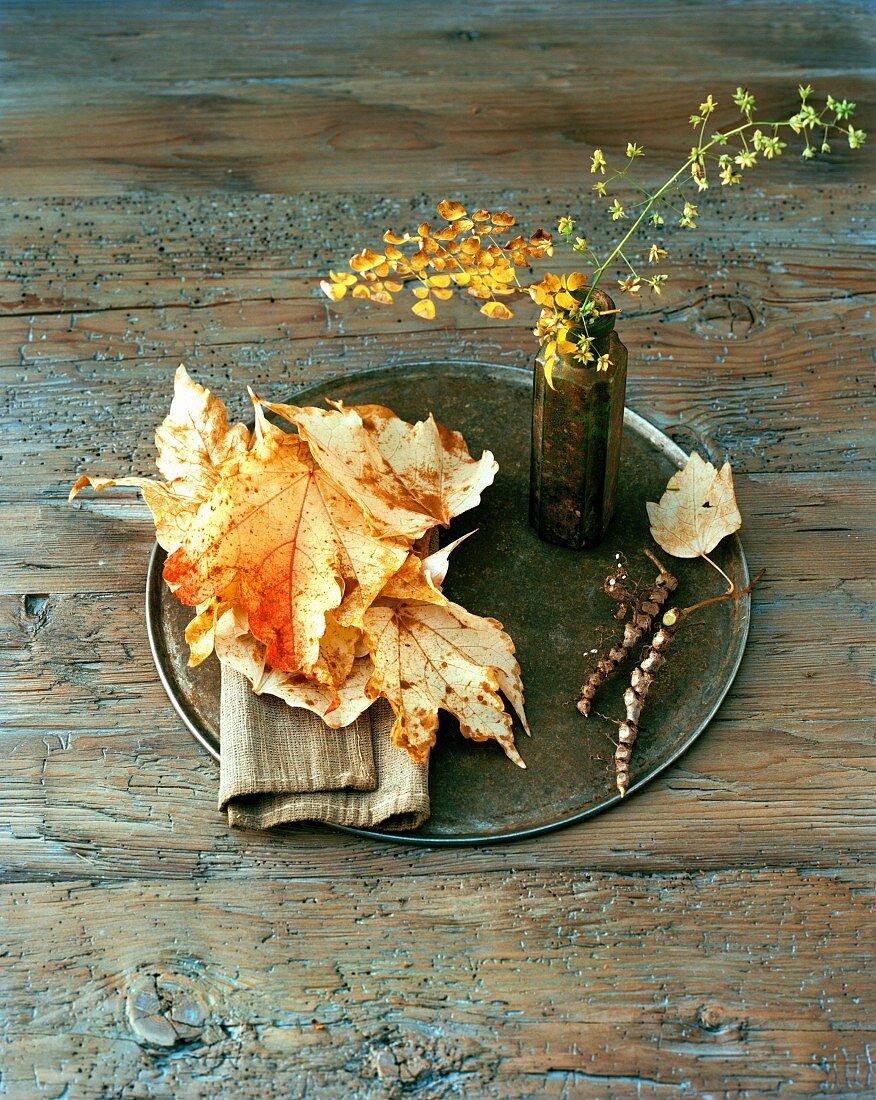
<point>305,555</point>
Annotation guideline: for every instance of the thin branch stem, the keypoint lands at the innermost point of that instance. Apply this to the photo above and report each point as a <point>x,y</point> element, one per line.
<point>700,151</point>
<point>732,594</point>
<point>653,558</point>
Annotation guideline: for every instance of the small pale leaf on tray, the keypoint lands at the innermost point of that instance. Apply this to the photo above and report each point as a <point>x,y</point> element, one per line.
<point>697,510</point>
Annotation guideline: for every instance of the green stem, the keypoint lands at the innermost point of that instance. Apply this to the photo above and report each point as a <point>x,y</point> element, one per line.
<point>700,151</point>
<point>615,252</point>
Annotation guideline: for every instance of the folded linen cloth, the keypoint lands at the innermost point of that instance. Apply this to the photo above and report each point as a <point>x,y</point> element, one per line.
<point>281,764</point>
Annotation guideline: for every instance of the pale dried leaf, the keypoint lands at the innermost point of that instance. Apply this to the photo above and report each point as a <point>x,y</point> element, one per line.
<point>237,648</point>
<point>195,442</point>
<point>171,512</point>
<point>408,477</point>
<point>430,657</point>
<point>437,564</point>
<point>201,631</point>
<point>697,510</point>
<point>196,447</point>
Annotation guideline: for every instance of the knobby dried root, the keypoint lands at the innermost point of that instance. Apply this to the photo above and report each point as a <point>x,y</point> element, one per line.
<point>653,658</point>
<point>641,621</point>
<point>644,674</point>
<point>617,586</point>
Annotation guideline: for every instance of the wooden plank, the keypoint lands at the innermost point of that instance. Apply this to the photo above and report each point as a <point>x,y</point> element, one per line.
<point>783,745</point>
<point>744,357</point>
<point>94,651</point>
<point>784,776</point>
<point>135,251</point>
<point>173,179</point>
<point>294,98</point>
<point>753,794</point>
<point>526,982</point>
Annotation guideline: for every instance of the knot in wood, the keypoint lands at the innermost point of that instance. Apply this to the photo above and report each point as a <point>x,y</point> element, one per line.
<point>723,316</point>
<point>165,1009</point>
<point>716,1020</point>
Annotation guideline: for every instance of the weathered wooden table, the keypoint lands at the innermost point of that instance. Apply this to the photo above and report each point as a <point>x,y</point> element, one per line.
<point>174,178</point>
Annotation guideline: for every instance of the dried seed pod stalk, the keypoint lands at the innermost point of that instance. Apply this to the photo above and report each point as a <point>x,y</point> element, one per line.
<point>643,675</point>
<point>617,586</point>
<point>640,622</point>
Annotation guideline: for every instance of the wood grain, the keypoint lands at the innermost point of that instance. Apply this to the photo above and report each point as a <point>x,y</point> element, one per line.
<point>293,98</point>
<point>173,181</point>
<point>525,983</point>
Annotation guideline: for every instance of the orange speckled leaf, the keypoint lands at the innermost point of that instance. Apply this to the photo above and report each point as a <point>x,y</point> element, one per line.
<point>408,477</point>
<point>297,546</point>
<point>430,657</point>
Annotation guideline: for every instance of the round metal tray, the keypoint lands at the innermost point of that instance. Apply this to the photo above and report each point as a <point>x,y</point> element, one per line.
<point>550,602</point>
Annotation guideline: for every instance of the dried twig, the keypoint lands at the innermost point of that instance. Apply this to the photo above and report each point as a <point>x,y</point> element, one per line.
<point>644,674</point>
<point>653,656</point>
<point>641,621</point>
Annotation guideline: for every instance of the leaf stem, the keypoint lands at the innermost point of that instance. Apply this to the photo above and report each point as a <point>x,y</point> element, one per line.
<point>732,586</point>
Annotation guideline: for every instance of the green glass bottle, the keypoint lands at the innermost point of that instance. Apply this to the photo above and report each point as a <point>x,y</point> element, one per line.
<point>577,430</point>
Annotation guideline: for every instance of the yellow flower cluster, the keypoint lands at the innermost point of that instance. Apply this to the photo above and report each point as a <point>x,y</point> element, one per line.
<point>561,299</point>
<point>463,254</point>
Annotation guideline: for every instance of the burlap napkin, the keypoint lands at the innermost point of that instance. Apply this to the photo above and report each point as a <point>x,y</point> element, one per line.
<point>281,764</point>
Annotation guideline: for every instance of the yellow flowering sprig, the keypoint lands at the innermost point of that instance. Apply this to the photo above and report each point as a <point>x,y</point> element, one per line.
<point>564,322</point>
<point>465,252</point>
<point>731,152</point>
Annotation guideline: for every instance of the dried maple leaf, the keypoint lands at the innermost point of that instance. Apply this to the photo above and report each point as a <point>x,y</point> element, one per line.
<point>697,510</point>
<point>438,656</point>
<point>237,648</point>
<point>421,576</point>
<point>195,442</point>
<point>297,546</point>
<point>337,651</point>
<point>408,477</point>
<point>172,513</point>
<point>414,581</point>
<point>196,447</point>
